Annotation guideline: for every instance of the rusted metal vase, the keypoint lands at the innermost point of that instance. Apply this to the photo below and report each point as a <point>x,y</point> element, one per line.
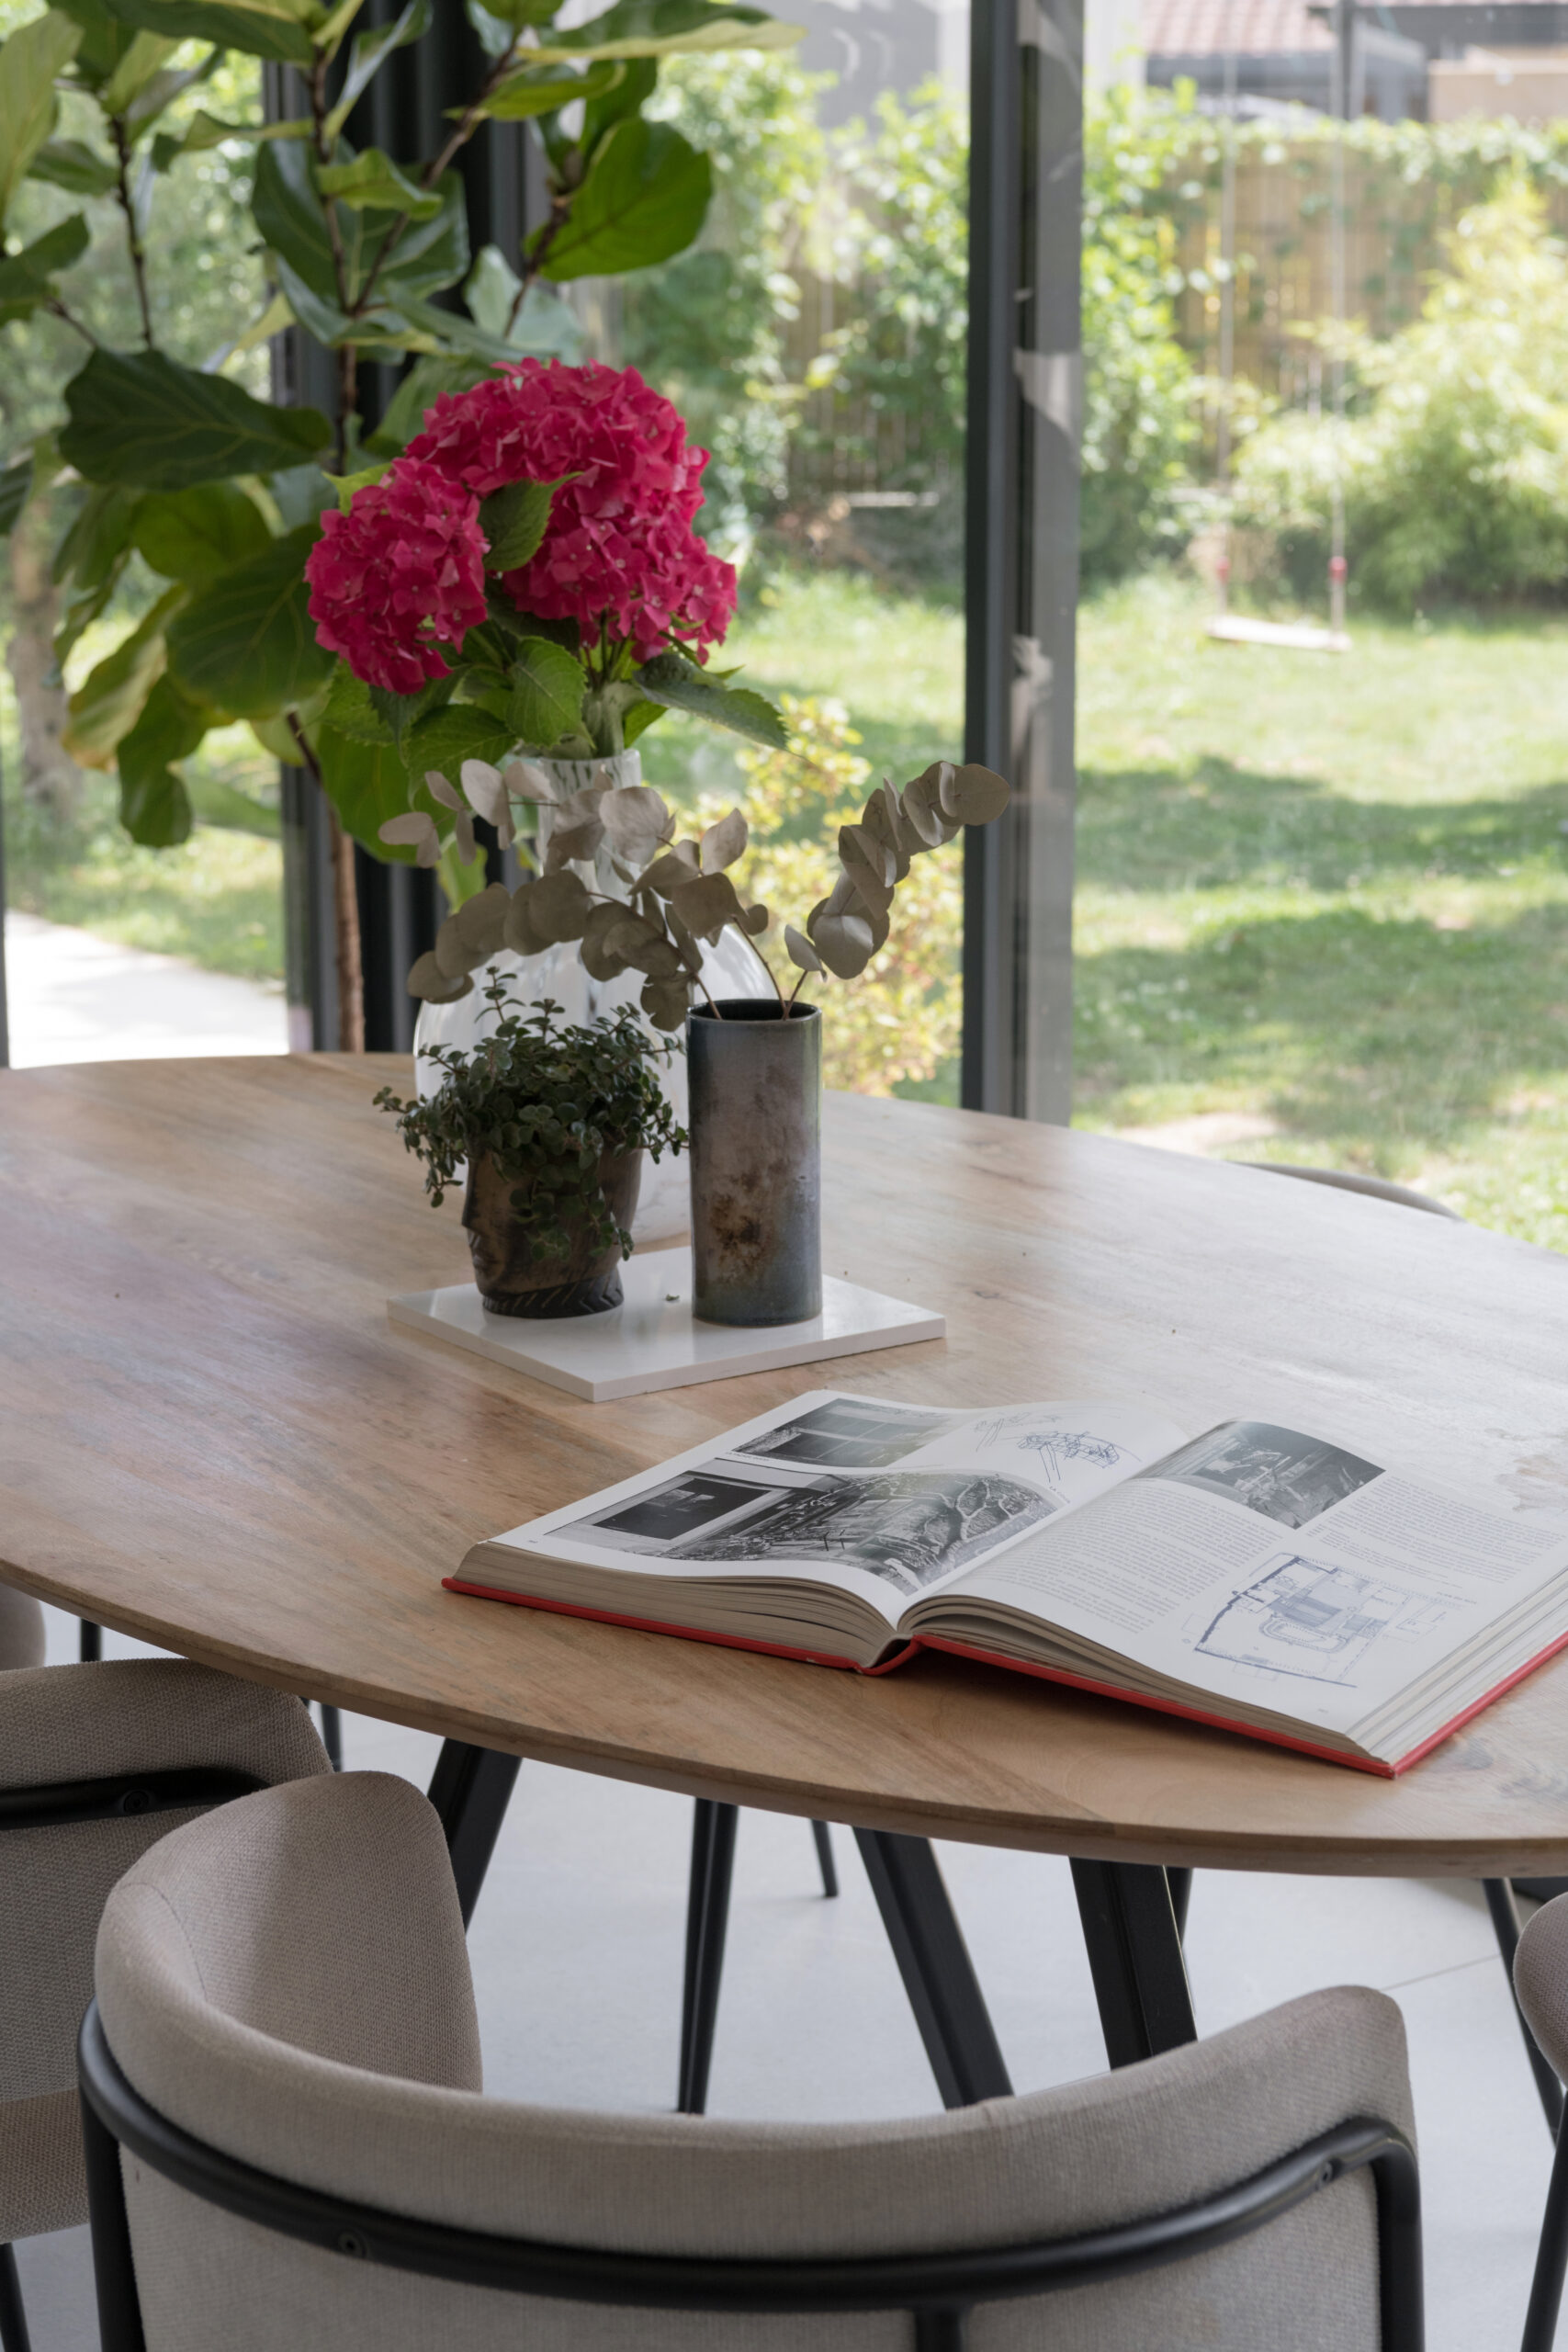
<point>755,1081</point>
<point>512,1280</point>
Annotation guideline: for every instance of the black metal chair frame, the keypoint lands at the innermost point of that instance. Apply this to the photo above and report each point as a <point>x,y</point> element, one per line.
<point>938,2290</point>
<point>117,1796</point>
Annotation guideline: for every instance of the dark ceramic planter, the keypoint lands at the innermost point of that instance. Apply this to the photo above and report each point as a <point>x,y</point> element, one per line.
<point>511,1281</point>
<point>756,1157</point>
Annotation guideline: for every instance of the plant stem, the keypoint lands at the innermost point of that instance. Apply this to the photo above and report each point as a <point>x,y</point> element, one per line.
<point>133,233</point>
<point>468,122</point>
<point>345,911</point>
<point>57,310</point>
<point>561,210</point>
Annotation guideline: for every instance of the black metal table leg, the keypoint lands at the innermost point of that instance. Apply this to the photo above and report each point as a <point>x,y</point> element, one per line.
<point>824,1836</point>
<point>13,2318</point>
<point>934,1960</point>
<point>1506,1926</point>
<point>1135,1956</point>
<point>707,1921</point>
<point>90,1643</point>
<point>332,1735</point>
<point>470,1788</point>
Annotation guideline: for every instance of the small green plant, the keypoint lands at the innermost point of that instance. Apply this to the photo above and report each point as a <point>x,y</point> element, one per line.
<point>546,1102</point>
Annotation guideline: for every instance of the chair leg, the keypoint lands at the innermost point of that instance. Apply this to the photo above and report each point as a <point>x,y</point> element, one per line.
<point>1552,2259</point>
<point>13,2318</point>
<point>91,1643</point>
<point>1506,1926</point>
<point>934,1960</point>
<point>332,1735</point>
<point>824,1836</point>
<point>707,1921</point>
<point>470,1788</point>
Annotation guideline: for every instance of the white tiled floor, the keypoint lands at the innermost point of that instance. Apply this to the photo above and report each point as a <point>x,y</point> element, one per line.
<point>72,996</point>
<point>577,1950</point>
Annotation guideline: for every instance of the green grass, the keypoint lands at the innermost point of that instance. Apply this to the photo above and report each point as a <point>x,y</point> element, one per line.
<point>1332,893</point>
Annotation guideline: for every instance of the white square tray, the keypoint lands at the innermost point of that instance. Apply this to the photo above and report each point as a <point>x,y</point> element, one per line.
<point>653,1341</point>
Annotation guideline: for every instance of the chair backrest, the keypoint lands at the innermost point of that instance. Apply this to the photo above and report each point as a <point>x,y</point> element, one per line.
<point>1376,1188</point>
<point>96,1763</point>
<point>288,1992</point>
<point>21,1629</point>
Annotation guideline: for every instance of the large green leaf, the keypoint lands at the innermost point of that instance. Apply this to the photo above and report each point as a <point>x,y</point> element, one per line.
<point>373,181</point>
<point>154,806</point>
<point>679,685</point>
<point>99,532</point>
<point>72,164</point>
<point>446,738</point>
<point>669,28</point>
<point>136,417</point>
<point>645,197</point>
<point>26,279</point>
<point>513,520</point>
<point>107,705</point>
<point>367,784</point>
<point>542,90</point>
<point>29,61</point>
<point>141,65</point>
<point>247,645</point>
<point>198,534</point>
<point>269,29</point>
<point>370,52</point>
<point>430,255</point>
<point>545,700</point>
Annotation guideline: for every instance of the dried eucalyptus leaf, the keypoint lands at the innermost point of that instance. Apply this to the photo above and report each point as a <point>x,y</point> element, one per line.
<point>439,789</point>
<point>526,780</point>
<point>705,905</point>
<point>883,821</point>
<point>800,951</point>
<point>519,933</point>
<point>637,819</point>
<point>665,1002</point>
<point>480,922</point>
<point>669,871</point>
<point>486,794</point>
<point>845,943</point>
<point>868,865</point>
<point>452,952</point>
<point>723,844</point>
<point>412,831</point>
<point>463,828</point>
<point>599,959</point>
<point>686,947</point>
<point>559,908</point>
<point>974,796</point>
<point>643,946</point>
<point>570,844</point>
<point>922,805</point>
<point>755,919</point>
<point>428,980</point>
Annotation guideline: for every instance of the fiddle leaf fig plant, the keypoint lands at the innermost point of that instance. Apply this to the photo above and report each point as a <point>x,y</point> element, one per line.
<point>546,1102</point>
<point>652,900</point>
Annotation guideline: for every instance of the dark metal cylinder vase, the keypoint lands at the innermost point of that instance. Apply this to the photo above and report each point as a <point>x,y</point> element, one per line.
<point>512,1280</point>
<point>755,1081</point>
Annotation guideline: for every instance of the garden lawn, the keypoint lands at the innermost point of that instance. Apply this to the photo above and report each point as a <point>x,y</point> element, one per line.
<point>1322,901</point>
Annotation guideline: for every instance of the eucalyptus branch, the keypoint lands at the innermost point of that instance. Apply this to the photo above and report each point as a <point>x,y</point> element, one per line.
<point>133,233</point>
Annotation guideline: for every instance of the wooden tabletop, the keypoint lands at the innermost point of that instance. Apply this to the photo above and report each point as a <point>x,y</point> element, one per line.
<point>211,1437</point>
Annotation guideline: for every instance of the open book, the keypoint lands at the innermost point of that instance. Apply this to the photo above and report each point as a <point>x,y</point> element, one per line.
<point>1256,1578</point>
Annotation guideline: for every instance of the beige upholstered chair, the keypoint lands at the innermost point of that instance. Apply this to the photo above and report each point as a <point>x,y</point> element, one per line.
<point>96,1763</point>
<point>285,2048</point>
<point>21,1629</point>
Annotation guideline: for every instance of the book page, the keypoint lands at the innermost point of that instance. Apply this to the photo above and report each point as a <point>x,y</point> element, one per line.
<point>885,1500</point>
<point>1282,1570</point>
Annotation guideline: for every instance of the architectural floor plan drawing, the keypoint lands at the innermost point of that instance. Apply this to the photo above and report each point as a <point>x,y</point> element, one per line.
<point>1304,1618</point>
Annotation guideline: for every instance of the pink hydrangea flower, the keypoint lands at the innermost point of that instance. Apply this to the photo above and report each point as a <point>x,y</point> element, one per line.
<point>619,554</point>
<point>401,574</point>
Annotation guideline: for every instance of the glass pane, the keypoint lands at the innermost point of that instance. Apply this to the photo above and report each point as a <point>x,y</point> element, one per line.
<point>1322,889</point>
<point>815,340</point>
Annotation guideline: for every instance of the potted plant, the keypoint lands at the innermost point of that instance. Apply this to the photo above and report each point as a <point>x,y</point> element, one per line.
<point>523,591</point>
<point>545,1125</point>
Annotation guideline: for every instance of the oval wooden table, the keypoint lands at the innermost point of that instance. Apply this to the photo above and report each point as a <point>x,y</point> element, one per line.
<point>211,1436</point>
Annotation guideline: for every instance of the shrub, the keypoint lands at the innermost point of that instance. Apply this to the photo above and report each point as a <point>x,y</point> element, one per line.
<point>1454,459</point>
